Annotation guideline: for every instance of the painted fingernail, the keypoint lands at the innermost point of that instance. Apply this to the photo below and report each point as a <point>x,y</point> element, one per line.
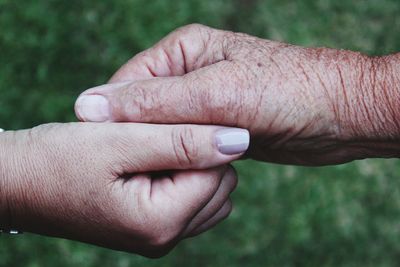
<point>95,108</point>
<point>232,141</point>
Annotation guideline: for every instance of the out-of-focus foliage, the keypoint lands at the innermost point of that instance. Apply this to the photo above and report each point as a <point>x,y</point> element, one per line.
<point>52,50</point>
<point>347,215</point>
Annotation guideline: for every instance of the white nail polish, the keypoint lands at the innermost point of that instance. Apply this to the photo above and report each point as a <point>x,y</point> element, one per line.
<point>232,141</point>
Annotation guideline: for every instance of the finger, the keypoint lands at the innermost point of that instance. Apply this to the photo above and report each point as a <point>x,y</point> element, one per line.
<point>149,147</point>
<point>189,191</point>
<point>228,184</point>
<point>182,51</point>
<point>222,214</point>
<point>171,199</point>
<point>210,95</point>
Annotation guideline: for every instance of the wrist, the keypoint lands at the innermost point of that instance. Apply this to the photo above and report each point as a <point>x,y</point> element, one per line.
<point>367,107</point>
<point>385,90</point>
<point>16,176</point>
<point>7,179</point>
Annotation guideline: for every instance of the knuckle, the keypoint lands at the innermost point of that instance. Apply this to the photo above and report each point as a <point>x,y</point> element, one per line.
<point>233,43</point>
<point>136,102</point>
<point>147,249</point>
<point>231,39</point>
<point>232,97</point>
<point>138,57</point>
<point>199,97</point>
<point>185,148</point>
<point>194,27</point>
<point>210,105</point>
<point>242,102</point>
<point>159,239</point>
<point>162,240</point>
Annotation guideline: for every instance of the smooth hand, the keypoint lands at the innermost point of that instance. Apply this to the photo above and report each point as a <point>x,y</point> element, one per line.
<point>92,182</point>
<point>308,106</point>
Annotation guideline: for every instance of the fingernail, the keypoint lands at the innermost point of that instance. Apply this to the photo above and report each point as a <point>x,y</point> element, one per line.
<point>232,141</point>
<point>93,108</point>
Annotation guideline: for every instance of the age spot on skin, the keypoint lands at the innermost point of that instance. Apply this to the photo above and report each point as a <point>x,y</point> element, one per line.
<point>259,64</point>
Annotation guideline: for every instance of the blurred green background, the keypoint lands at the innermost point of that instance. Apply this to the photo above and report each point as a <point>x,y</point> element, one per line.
<point>346,215</point>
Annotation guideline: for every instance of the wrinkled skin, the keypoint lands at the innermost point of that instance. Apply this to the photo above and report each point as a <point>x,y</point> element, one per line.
<point>306,106</point>
<point>95,183</point>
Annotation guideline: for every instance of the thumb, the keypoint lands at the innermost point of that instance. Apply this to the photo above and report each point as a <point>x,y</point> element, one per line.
<point>184,50</point>
<point>206,96</point>
<point>152,147</point>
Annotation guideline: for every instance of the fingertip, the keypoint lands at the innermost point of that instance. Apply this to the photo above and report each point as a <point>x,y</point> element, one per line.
<point>203,147</point>
<point>95,104</point>
<point>94,108</point>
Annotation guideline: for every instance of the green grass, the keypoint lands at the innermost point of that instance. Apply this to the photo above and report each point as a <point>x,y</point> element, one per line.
<point>346,215</point>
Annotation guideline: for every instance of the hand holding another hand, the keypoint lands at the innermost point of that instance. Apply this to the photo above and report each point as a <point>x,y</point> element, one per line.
<point>97,183</point>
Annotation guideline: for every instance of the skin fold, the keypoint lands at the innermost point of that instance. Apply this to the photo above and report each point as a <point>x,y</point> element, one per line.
<point>303,106</point>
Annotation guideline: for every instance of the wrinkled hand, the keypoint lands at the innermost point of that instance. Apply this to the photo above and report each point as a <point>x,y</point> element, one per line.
<point>308,106</point>
<point>91,182</point>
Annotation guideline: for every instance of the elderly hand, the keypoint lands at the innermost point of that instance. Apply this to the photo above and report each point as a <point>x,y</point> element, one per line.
<point>92,182</point>
<point>308,106</point>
